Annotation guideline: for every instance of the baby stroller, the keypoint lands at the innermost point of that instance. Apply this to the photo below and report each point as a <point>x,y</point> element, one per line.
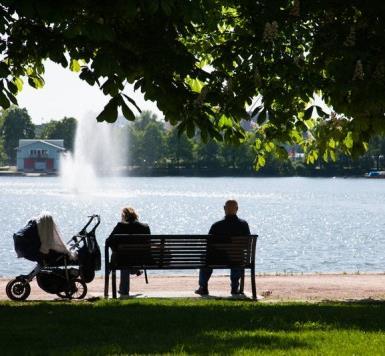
<point>55,271</point>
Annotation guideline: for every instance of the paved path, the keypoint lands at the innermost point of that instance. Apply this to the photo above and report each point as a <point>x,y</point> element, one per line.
<point>310,287</point>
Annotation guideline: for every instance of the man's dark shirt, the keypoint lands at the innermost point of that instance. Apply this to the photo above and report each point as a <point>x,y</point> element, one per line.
<point>231,225</point>
<point>131,228</point>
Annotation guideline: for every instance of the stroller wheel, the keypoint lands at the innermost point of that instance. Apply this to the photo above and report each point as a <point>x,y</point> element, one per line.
<point>18,289</point>
<point>77,290</point>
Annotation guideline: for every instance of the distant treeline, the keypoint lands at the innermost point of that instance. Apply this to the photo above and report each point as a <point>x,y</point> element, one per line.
<point>155,148</point>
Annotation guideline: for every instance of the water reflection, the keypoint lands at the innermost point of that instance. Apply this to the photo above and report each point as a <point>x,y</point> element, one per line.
<point>304,224</point>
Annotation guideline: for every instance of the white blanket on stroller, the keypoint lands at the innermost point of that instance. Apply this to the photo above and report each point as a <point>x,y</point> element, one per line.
<point>49,234</point>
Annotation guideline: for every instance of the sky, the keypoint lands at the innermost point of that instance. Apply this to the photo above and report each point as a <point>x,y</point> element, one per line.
<point>64,94</point>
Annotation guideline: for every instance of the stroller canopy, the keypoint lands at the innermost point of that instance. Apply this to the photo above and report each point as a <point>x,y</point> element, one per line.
<point>50,238</point>
<point>39,236</point>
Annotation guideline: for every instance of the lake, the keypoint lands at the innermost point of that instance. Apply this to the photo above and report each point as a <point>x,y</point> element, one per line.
<point>304,224</point>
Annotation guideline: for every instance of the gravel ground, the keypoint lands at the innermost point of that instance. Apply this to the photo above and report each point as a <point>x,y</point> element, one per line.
<point>301,287</point>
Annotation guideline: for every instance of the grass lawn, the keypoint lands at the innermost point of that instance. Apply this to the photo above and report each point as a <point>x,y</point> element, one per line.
<point>187,326</point>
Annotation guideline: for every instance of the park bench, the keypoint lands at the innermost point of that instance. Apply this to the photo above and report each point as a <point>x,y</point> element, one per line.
<point>179,252</point>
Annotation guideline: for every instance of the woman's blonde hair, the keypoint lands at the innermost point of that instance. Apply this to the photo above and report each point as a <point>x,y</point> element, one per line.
<point>129,214</point>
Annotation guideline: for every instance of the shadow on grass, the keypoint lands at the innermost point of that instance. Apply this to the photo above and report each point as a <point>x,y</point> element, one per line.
<point>170,326</point>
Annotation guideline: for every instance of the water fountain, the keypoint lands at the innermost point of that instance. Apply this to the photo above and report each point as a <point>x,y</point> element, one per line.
<point>100,150</point>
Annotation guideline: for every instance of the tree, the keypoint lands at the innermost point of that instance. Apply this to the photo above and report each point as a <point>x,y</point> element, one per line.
<point>376,152</point>
<point>61,129</point>
<point>152,144</point>
<point>208,155</point>
<point>3,155</point>
<point>203,61</point>
<point>145,118</point>
<point>17,124</point>
<point>179,148</point>
<point>146,140</point>
<point>134,146</point>
<point>238,156</point>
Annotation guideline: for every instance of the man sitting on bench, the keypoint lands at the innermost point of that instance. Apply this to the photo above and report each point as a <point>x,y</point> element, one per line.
<point>231,225</point>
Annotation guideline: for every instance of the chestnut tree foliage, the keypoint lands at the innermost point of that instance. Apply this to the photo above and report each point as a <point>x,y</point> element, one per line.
<point>206,61</point>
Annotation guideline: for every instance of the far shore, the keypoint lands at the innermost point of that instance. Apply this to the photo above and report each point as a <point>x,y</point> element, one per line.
<point>203,173</point>
<point>311,287</point>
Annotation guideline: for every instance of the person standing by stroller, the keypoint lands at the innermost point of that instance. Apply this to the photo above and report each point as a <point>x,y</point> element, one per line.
<point>130,225</point>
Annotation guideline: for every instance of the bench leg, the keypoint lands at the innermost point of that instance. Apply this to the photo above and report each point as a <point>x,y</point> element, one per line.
<point>113,278</point>
<point>253,287</point>
<point>106,283</point>
<point>145,276</point>
<point>242,284</point>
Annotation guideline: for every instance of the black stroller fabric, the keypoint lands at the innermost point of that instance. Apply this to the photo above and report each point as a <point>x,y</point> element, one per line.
<point>89,259</point>
<point>54,281</point>
<point>27,242</point>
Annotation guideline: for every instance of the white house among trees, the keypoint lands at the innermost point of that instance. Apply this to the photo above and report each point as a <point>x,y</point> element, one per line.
<point>39,155</point>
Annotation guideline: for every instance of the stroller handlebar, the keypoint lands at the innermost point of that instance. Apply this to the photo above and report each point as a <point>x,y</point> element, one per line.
<point>92,217</point>
<point>81,234</point>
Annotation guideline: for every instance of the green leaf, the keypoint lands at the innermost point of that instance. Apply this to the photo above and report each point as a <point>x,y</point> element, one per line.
<point>261,161</point>
<point>36,82</point>
<point>310,123</point>
<point>12,87</point>
<point>132,101</point>
<point>4,70</point>
<point>128,114</point>
<point>63,61</point>
<point>296,136</point>
<point>19,83</point>
<point>104,63</point>
<point>262,117</point>
<point>195,84</point>
<point>225,121</point>
<point>348,141</point>
<point>308,113</point>
<point>269,146</point>
<point>4,102</point>
<point>31,82</point>
<point>11,97</point>
<point>138,84</point>
<point>75,65</point>
<point>88,76</point>
<point>325,156</point>
<point>320,112</point>
<point>332,155</point>
<point>110,112</point>
<point>110,87</point>
<point>281,152</point>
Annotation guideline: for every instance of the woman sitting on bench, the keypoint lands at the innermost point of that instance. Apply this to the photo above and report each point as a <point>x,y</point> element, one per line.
<point>130,225</point>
